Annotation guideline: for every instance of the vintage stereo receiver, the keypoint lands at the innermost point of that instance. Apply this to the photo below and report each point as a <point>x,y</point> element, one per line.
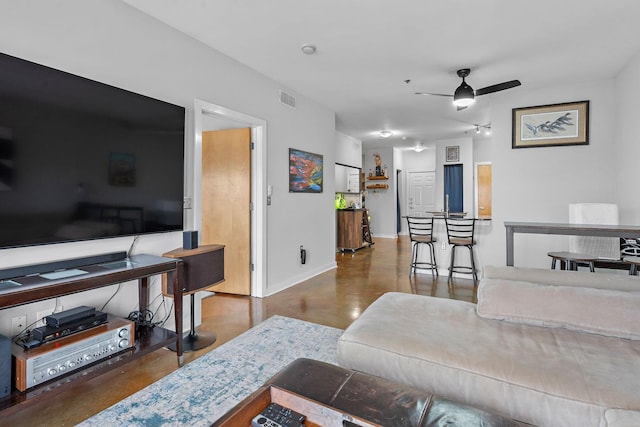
<point>60,357</point>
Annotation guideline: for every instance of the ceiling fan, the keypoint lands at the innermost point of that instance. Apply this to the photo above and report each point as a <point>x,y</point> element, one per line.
<point>464,95</point>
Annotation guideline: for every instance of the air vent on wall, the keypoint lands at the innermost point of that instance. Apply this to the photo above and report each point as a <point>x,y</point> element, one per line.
<point>287,99</point>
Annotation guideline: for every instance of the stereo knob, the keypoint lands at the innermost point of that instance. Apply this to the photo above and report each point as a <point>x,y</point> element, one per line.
<point>88,357</point>
<point>124,343</point>
<point>71,364</point>
<point>123,333</point>
<point>62,368</point>
<point>52,371</point>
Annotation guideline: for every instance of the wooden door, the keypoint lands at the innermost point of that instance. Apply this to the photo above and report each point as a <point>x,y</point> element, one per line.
<point>422,193</point>
<point>226,199</point>
<point>484,191</point>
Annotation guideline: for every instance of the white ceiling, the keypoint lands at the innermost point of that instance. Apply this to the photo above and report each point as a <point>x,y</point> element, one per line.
<point>366,49</point>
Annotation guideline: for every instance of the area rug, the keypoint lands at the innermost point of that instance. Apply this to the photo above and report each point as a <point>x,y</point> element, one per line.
<point>202,391</point>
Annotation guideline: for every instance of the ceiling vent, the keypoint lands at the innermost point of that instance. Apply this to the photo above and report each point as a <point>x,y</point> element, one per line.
<point>287,99</point>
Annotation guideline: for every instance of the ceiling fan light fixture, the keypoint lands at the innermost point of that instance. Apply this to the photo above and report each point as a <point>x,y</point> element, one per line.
<point>385,133</point>
<point>418,148</point>
<point>464,95</point>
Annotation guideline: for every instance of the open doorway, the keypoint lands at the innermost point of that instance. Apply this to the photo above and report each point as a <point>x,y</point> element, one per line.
<point>483,190</point>
<point>453,188</point>
<point>208,116</point>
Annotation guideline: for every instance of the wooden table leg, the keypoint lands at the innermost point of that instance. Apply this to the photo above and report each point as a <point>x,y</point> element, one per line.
<point>143,293</point>
<point>177,305</point>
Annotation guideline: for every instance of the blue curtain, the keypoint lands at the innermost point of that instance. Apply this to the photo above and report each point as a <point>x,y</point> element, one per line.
<point>453,187</point>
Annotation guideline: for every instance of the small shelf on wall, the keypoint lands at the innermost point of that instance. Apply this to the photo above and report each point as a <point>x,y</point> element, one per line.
<point>376,178</point>
<point>378,186</point>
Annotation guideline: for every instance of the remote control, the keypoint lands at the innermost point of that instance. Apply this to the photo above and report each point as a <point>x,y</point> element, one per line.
<point>275,415</point>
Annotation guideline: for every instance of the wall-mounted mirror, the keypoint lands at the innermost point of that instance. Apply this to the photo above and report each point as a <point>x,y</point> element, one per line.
<point>347,179</point>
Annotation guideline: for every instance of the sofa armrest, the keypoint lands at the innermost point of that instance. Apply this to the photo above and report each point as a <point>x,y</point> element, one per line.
<point>599,311</point>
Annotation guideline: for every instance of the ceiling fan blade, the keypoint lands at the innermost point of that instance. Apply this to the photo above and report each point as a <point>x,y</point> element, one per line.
<point>433,94</point>
<point>498,87</point>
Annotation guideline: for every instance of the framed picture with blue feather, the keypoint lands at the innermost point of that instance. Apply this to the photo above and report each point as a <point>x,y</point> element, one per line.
<point>551,125</point>
<point>305,172</point>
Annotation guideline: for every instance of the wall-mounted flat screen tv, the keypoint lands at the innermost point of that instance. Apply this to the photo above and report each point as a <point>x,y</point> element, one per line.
<point>84,160</point>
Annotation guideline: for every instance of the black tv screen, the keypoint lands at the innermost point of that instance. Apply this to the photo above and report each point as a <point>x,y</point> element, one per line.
<point>84,160</point>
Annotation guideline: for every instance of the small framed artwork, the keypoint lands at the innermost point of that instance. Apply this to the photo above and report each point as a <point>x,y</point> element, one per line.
<point>453,154</point>
<point>305,172</point>
<point>551,125</point>
<point>122,170</point>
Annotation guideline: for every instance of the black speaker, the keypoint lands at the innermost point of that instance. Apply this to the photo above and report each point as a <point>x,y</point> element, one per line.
<point>5,366</point>
<point>189,240</point>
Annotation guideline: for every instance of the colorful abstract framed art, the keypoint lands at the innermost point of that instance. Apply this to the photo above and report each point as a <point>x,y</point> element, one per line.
<point>305,172</point>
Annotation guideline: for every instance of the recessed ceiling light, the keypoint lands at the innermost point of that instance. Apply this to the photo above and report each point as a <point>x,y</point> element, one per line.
<point>385,133</point>
<point>308,49</point>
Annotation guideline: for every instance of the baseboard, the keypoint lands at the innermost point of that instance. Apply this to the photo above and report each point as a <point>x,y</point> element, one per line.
<point>300,278</point>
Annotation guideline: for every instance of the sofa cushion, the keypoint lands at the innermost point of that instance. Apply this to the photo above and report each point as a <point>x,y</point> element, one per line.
<point>600,311</point>
<point>543,376</point>
<point>621,282</point>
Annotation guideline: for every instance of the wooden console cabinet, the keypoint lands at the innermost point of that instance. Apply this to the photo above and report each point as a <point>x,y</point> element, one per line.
<point>351,229</point>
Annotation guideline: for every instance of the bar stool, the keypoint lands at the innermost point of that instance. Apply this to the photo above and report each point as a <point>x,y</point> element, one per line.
<point>571,260</point>
<point>460,233</point>
<point>421,233</point>
<point>635,262</point>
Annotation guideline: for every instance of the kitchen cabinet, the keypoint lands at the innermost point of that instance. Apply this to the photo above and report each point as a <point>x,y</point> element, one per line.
<point>353,229</point>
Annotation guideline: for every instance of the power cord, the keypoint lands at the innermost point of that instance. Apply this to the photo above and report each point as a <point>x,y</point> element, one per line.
<point>143,320</point>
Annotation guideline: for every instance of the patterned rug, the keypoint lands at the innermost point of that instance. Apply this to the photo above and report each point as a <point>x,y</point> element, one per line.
<point>202,391</point>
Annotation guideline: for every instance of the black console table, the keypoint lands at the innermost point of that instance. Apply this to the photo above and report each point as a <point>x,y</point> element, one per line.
<point>35,287</point>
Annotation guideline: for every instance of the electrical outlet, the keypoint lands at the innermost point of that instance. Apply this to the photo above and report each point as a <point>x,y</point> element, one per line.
<point>188,203</point>
<point>41,315</point>
<point>18,324</point>
<point>443,246</point>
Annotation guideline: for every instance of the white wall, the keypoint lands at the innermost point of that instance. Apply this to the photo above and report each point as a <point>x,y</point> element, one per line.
<point>537,184</point>
<point>381,202</point>
<point>627,90</point>
<point>348,150</point>
<point>115,44</point>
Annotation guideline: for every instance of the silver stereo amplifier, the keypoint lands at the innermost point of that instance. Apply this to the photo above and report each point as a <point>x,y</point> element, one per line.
<point>53,359</point>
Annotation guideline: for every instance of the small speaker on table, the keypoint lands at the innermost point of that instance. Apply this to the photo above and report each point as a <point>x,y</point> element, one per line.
<point>189,240</point>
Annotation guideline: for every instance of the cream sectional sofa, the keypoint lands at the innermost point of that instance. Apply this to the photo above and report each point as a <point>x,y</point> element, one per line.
<point>549,348</point>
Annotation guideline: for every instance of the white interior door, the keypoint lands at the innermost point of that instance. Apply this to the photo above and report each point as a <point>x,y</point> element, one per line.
<point>422,193</point>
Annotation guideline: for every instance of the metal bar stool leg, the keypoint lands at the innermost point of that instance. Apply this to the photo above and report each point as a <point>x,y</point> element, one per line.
<point>473,264</point>
<point>434,264</point>
<point>453,255</point>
